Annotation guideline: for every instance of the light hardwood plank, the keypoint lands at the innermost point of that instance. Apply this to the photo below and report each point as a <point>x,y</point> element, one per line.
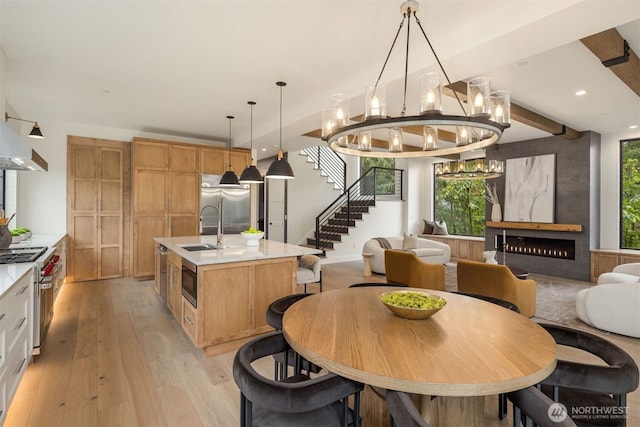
<point>84,376</point>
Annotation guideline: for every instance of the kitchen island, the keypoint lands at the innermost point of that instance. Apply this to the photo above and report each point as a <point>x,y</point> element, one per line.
<point>229,289</point>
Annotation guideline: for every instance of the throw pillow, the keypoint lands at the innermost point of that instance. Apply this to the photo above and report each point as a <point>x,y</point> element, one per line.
<point>440,227</point>
<point>410,242</point>
<point>428,227</point>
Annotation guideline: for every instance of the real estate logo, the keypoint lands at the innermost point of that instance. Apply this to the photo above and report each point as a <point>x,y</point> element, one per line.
<point>557,412</point>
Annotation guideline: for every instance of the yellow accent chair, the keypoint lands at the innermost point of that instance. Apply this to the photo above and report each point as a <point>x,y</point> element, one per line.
<point>497,281</point>
<point>406,268</point>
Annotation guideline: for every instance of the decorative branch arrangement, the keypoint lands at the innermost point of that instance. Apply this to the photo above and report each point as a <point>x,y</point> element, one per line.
<point>492,195</point>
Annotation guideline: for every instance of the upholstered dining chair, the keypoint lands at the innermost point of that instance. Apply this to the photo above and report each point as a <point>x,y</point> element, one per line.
<point>309,271</point>
<point>402,410</point>
<point>407,269</point>
<point>499,282</point>
<point>298,401</point>
<point>536,407</point>
<point>282,361</point>
<point>579,385</point>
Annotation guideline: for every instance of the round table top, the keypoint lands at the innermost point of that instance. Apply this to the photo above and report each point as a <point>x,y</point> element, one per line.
<point>469,348</point>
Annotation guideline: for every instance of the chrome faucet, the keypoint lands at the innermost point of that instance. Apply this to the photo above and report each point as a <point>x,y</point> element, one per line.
<point>220,234</point>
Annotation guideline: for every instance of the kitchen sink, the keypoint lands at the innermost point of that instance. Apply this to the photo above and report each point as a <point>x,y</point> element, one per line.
<point>200,247</point>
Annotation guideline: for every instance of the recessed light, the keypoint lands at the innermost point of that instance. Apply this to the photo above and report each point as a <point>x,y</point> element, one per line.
<point>581,92</point>
<point>263,149</point>
<point>633,127</point>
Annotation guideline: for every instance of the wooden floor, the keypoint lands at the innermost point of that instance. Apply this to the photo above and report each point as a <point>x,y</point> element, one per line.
<point>114,356</point>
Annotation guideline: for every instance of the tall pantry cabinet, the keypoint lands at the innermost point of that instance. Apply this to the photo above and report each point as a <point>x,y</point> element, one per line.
<point>97,208</point>
<point>166,197</point>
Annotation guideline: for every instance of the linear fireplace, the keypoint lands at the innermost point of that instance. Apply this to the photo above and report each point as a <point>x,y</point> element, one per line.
<point>539,246</point>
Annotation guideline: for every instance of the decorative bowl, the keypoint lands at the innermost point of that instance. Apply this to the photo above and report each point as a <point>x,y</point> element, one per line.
<point>436,304</point>
<point>252,238</point>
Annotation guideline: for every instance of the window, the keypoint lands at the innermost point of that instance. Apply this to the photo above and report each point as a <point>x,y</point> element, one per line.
<point>385,180</point>
<point>461,204</point>
<point>630,194</point>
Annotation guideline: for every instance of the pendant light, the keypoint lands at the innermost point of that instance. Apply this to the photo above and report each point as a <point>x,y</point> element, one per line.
<point>280,168</point>
<point>229,178</point>
<point>251,174</point>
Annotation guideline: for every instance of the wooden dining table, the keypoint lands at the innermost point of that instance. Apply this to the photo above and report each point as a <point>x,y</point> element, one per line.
<point>469,349</point>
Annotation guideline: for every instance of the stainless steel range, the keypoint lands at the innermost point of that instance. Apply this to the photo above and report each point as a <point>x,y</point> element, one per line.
<point>18,255</point>
<point>46,272</point>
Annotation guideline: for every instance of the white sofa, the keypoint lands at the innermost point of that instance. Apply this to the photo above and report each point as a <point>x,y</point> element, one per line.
<point>614,303</point>
<point>427,250</point>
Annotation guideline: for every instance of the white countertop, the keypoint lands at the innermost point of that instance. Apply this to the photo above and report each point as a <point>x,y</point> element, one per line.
<point>11,273</point>
<point>38,240</point>
<point>234,249</point>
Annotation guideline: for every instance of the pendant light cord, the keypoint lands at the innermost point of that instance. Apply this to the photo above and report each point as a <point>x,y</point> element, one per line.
<point>229,142</point>
<point>280,154</point>
<point>251,103</point>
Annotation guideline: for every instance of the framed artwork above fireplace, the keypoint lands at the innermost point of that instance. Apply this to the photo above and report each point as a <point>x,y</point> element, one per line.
<point>530,189</point>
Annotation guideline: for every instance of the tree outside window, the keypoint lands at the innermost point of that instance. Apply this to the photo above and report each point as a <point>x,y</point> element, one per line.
<point>461,204</point>
<point>630,194</point>
<point>385,179</point>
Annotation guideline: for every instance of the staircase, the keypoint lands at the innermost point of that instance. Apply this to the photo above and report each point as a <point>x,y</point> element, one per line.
<point>329,164</point>
<point>351,206</point>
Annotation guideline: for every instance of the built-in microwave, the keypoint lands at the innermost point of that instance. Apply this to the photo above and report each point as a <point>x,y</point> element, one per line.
<point>190,282</point>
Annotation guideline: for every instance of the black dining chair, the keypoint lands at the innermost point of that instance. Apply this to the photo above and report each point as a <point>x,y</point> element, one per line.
<point>282,361</point>
<point>584,385</point>
<point>531,405</point>
<point>402,410</point>
<point>297,401</point>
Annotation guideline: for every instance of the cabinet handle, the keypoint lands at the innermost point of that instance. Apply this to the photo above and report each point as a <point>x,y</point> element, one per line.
<point>20,323</point>
<point>19,368</point>
<point>21,291</point>
<point>189,321</point>
<point>2,315</point>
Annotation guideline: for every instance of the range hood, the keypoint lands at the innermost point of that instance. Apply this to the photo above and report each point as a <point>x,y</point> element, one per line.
<point>16,153</point>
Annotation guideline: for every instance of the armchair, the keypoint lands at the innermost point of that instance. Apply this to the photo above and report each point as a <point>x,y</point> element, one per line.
<point>406,268</point>
<point>497,281</point>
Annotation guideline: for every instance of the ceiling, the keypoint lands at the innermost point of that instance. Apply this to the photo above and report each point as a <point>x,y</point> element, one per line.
<point>178,68</point>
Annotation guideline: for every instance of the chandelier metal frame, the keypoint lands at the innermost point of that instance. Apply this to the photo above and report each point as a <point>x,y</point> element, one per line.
<point>478,124</point>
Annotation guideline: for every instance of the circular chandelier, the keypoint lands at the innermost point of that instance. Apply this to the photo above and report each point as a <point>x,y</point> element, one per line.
<point>469,169</point>
<point>482,125</point>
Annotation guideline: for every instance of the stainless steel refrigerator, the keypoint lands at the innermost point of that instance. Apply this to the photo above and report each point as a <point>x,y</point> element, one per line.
<point>235,205</point>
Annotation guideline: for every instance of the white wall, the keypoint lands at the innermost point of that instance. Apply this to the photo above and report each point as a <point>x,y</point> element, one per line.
<point>309,194</point>
<point>610,187</point>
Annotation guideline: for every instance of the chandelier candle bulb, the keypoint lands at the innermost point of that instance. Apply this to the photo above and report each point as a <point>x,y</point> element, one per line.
<point>479,96</point>
<point>431,89</point>
<point>501,106</point>
<point>395,139</point>
<point>340,102</point>
<point>364,141</point>
<point>430,135</point>
<point>375,94</point>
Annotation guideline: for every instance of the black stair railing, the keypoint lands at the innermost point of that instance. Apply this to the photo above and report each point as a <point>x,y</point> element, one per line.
<point>329,163</point>
<point>375,183</point>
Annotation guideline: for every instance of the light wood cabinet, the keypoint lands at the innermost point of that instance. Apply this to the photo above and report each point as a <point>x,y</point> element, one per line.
<point>233,300</point>
<point>166,192</point>
<point>166,197</point>
<point>462,247</point>
<point>216,160</point>
<point>604,260</point>
<point>97,179</point>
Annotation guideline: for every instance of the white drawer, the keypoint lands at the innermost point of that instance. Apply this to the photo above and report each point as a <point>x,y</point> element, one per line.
<point>17,362</point>
<point>17,321</point>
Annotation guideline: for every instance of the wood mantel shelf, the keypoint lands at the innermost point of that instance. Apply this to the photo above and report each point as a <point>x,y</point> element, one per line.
<point>576,228</point>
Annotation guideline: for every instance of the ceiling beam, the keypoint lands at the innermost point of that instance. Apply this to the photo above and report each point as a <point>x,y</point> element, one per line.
<point>520,114</point>
<point>616,55</point>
